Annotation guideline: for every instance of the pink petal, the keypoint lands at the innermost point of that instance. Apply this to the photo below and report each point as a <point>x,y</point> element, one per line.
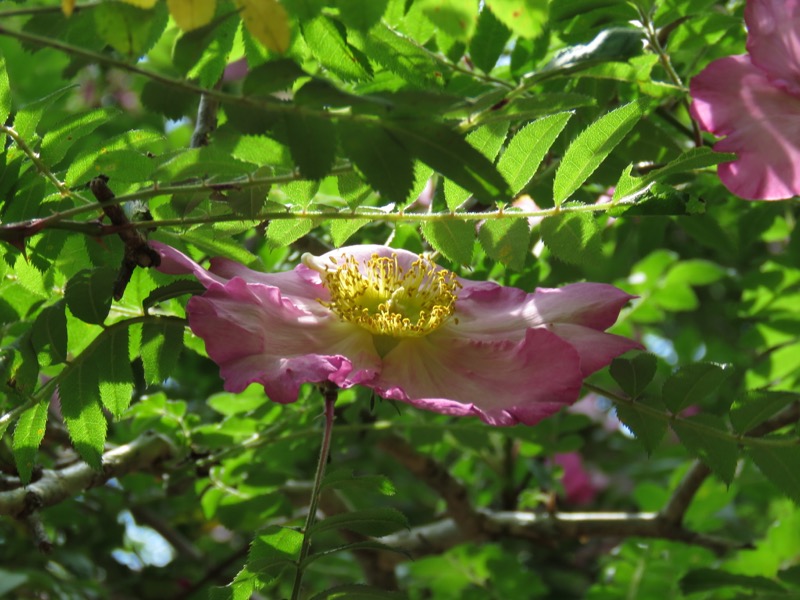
<point>773,40</point>
<point>733,98</point>
<point>489,310</point>
<point>502,382</point>
<point>301,283</point>
<point>596,349</point>
<point>255,334</point>
<point>174,262</point>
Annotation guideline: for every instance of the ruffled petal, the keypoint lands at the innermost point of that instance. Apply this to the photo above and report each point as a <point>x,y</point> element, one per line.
<point>773,40</point>
<point>733,98</point>
<point>301,284</point>
<point>596,349</point>
<point>488,310</point>
<point>257,335</point>
<point>502,382</point>
<point>174,262</point>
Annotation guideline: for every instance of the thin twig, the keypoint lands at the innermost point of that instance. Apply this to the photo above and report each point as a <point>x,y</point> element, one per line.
<point>330,393</point>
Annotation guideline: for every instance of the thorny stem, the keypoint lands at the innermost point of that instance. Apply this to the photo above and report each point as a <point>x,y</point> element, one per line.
<point>43,169</point>
<point>330,393</point>
<point>652,38</point>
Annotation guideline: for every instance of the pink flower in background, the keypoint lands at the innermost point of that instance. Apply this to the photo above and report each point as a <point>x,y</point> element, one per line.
<point>753,101</point>
<point>581,485</point>
<point>398,324</point>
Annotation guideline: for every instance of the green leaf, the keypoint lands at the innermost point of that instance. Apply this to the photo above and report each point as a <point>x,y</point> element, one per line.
<point>127,166</point>
<point>540,105</point>
<point>50,331</point>
<point>375,522</point>
<point>781,465</point>
<point>634,374</point>
<point>361,15</point>
<point>447,152</point>
<point>28,117</point>
<point>487,139</point>
<point>58,139</point>
<point>274,546</point>
<point>88,294</point>
<point>272,76</point>
<point>398,54</point>
<point>312,142</point>
<point>380,158</point>
<point>358,591</point>
<point>80,406</point>
<point>694,272</point>
<point>758,406</point>
<point>282,232</point>
<point>506,241</point>
<point>161,346</point>
<point>28,435</point>
<point>454,239</point>
<point>128,29</point>
<point>572,237</point>
<point>113,366</point>
<point>342,229</point>
<point>528,147</point>
<point>174,289</point>
<point>489,41</point>
<point>5,92</point>
<point>203,52</point>
<point>649,430</point>
<point>346,478</point>
<point>205,163</point>
<point>592,146</point>
<point>328,46</point>
<point>691,384</point>
<point>709,580</point>
<point>526,18</point>
<point>720,454</point>
<point>456,18</point>
<point>691,160</point>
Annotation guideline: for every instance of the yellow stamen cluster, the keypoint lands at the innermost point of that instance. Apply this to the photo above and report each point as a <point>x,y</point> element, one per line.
<point>386,299</point>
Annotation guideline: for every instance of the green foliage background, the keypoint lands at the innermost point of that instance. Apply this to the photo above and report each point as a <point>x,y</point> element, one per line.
<point>408,122</point>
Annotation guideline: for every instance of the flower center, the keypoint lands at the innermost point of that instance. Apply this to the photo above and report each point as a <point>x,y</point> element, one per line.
<point>386,299</point>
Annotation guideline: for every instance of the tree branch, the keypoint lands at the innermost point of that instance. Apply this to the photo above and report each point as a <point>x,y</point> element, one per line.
<point>545,528</point>
<point>145,452</point>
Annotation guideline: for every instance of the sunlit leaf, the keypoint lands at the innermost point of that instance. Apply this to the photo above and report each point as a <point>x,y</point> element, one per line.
<point>28,435</point>
<point>593,146</point>
<point>268,22</point>
<point>523,17</point>
<point>192,14</point>
<point>80,406</point>
<point>161,346</point>
<point>528,147</point>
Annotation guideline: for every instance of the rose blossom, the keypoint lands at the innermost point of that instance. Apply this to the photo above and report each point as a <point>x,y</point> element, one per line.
<point>753,101</point>
<point>400,325</point>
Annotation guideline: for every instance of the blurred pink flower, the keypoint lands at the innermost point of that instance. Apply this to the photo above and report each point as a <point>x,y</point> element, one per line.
<point>753,100</point>
<point>398,324</point>
<point>580,485</point>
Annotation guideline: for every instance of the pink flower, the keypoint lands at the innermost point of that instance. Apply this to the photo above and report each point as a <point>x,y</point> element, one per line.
<point>580,485</point>
<point>398,324</point>
<point>753,101</point>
